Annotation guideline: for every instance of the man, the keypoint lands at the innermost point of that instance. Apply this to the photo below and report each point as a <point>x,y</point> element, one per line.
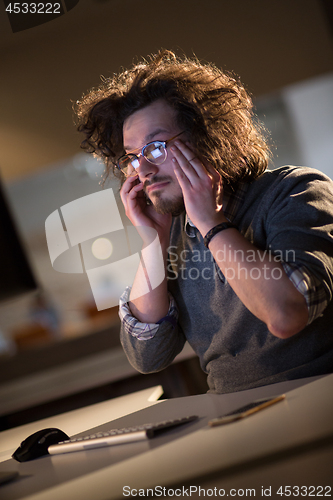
<point>248,252</point>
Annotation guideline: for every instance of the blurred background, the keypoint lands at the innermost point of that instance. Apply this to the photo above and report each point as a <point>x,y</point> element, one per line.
<point>283,52</point>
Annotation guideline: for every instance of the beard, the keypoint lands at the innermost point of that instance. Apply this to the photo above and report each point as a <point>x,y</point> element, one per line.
<point>174,205</point>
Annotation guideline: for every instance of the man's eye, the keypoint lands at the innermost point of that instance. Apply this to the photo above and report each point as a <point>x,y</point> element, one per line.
<point>135,163</point>
<point>156,153</point>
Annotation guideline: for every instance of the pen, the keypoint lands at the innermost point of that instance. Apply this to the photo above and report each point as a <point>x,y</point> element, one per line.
<point>245,411</point>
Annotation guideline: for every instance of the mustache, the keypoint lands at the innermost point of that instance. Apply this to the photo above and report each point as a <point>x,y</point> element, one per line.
<point>155,180</point>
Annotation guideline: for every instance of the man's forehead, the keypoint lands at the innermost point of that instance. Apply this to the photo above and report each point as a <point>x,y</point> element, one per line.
<point>147,138</point>
<point>146,123</point>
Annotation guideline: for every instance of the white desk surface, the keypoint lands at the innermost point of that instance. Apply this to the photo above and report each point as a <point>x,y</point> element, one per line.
<point>81,420</point>
<point>198,451</point>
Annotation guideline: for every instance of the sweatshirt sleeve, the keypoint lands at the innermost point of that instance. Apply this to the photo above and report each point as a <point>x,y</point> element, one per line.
<point>310,287</point>
<point>299,229</point>
<point>150,347</point>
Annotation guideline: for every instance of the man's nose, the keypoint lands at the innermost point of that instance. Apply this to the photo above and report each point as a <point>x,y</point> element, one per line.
<point>146,169</point>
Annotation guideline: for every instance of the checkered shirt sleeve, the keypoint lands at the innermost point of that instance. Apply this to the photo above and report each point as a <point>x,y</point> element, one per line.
<point>143,331</point>
<point>310,287</point>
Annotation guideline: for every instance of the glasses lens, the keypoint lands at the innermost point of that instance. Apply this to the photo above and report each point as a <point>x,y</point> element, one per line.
<point>155,152</point>
<point>128,164</point>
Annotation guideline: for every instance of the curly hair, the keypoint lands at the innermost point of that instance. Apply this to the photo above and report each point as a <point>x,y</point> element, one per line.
<point>211,105</point>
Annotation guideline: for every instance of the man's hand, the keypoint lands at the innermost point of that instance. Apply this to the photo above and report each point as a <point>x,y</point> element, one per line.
<point>202,188</point>
<point>146,307</point>
<point>141,214</point>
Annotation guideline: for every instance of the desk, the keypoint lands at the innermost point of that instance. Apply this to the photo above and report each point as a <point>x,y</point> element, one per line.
<point>80,420</point>
<point>293,437</point>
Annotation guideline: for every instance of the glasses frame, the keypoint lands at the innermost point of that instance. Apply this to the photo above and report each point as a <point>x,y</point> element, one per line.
<point>137,157</point>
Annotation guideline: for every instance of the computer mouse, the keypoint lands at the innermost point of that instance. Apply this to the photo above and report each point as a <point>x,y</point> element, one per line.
<point>37,444</point>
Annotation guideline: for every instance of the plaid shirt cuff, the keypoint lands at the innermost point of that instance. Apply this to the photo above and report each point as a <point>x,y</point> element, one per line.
<point>143,331</point>
<point>310,287</point>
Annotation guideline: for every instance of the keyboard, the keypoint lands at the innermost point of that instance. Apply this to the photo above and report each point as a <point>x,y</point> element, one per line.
<point>117,436</point>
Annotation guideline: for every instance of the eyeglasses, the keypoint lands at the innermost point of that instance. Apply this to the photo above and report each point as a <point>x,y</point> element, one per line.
<point>155,152</point>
